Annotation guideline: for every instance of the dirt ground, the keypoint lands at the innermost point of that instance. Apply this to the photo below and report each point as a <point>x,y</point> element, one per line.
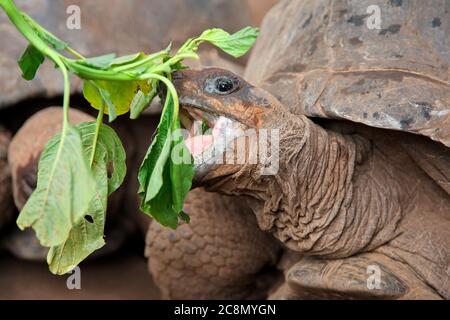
<point>120,276</point>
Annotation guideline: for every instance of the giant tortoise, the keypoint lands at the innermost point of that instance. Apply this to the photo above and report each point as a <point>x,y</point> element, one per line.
<point>362,190</point>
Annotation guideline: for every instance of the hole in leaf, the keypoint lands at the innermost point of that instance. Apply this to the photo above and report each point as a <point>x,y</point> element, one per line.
<point>110,169</point>
<point>184,217</point>
<point>89,218</point>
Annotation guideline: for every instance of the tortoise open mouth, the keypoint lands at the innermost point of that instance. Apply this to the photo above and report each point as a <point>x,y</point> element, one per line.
<point>203,128</point>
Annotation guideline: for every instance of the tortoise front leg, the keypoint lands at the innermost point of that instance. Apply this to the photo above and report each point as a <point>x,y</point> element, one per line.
<point>220,254</point>
<point>365,276</point>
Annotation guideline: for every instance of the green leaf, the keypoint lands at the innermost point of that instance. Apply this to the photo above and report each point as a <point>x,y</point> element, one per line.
<point>101,62</point>
<point>106,98</point>
<point>48,37</point>
<point>138,104</point>
<point>181,169</point>
<point>160,207</point>
<point>141,101</point>
<point>166,173</point>
<point>151,170</point>
<point>116,95</point>
<point>236,44</point>
<point>179,66</point>
<point>53,41</point>
<point>92,94</point>
<point>30,61</point>
<point>109,157</point>
<point>183,216</point>
<point>127,59</point>
<point>109,169</point>
<point>64,191</point>
<point>98,98</point>
<point>84,238</point>
<point>205,126</point>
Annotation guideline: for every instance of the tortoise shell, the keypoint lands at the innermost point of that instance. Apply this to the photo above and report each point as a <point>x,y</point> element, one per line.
<point>329,59</point>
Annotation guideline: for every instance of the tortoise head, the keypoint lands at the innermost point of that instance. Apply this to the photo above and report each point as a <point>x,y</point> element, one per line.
<point>231,109</point>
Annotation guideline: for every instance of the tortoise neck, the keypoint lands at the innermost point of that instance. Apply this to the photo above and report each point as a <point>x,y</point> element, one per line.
<point>312,186</point>
<point>313,200</point>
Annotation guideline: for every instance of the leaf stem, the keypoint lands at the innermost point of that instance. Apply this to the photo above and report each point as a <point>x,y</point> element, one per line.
<point>88,73</point>
<point>142,62</point>
<point>66,99</point>
<point>97,131</point>
<point>170,88</point>
<point>27,31</point>
<point>18,19</point>
<point>75,53</point>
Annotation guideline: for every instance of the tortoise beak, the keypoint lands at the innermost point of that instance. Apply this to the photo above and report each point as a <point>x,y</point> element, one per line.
<point>187,85</point>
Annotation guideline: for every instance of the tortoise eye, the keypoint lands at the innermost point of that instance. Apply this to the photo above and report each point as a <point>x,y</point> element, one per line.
<point>221,85</point>
<point>224,85</point>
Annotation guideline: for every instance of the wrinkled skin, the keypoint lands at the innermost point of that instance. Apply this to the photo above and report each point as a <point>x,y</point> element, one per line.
<point>345,197</point>
<point>220,254</point>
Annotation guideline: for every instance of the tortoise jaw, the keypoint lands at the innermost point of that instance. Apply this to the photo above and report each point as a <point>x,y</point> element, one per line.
<point>190,103</point>
<point>209,147</point>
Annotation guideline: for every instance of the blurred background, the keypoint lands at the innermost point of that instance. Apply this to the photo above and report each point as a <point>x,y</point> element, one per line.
<point>119,270</point>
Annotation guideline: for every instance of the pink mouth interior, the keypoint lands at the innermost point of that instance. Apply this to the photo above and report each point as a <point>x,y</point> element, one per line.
<point>197,142</point>
<point>196,145</point>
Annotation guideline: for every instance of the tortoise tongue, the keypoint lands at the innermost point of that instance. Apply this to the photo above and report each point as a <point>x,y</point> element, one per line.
<point>196,145</point>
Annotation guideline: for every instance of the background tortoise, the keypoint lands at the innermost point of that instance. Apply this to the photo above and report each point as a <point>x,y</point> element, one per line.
<point>6,205</point>
<point>23,156</point>
<point>348,197</point>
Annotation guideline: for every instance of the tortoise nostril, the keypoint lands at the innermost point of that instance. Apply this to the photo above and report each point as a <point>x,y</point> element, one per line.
<point>178,75</point>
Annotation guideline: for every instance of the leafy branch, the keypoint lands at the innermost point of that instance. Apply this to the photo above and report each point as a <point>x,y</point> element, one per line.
<point>68,207</point>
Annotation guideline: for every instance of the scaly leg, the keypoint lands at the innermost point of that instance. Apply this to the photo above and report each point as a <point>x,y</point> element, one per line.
<point>220,254</point>
<point>365,276</point>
